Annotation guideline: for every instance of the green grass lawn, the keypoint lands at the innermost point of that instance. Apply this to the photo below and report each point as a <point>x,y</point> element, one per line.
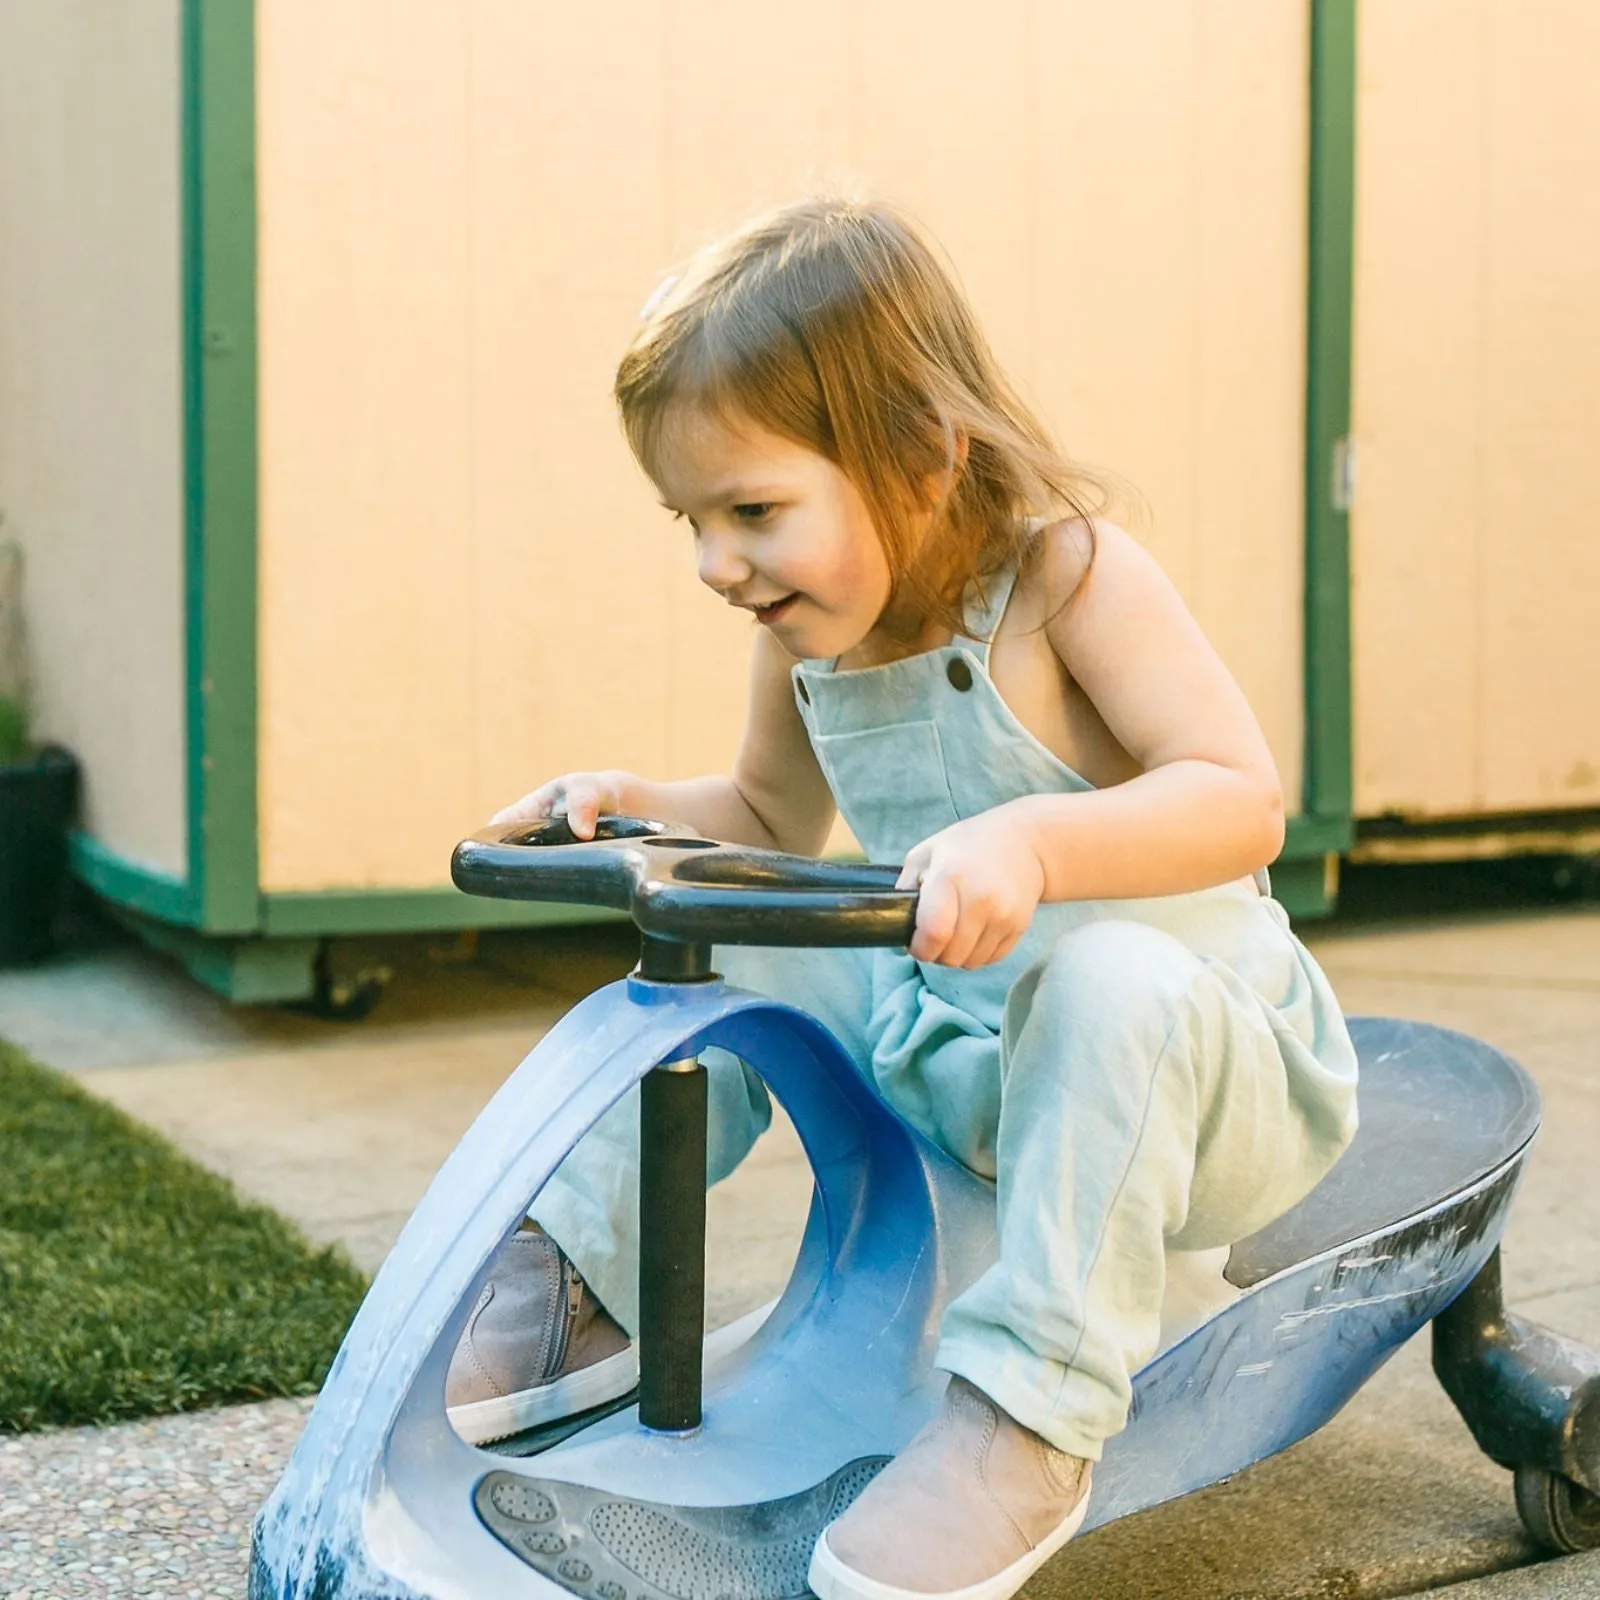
<point>133,1281</point>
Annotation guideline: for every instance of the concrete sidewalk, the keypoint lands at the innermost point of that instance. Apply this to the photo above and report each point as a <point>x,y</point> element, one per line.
<point>341,1126</point>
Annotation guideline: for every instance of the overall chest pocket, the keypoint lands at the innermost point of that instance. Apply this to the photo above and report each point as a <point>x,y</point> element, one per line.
<point>890,784</point>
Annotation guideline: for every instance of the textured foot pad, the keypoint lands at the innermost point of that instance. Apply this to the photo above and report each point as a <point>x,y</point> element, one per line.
<point>612,1548</point>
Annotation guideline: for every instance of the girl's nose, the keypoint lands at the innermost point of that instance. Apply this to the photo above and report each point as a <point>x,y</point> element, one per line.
<point>720,563</point>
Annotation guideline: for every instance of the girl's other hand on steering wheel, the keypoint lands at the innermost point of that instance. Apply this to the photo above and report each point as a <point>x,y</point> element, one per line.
<point>979,883</point>
<point>580,797</point>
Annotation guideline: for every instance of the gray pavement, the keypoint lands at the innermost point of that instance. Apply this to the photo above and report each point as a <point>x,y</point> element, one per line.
<point>341,1126</point>
<point>1574,1578</point>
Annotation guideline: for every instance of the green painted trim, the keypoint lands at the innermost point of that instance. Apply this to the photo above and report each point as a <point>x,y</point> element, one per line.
<point>247,971</point>
<point>125,883</point>
<point>1307,836</point>
<point>219,380</point>
<point>1303,888</point>
<point>1330,276</point>
<point>353,911</point>
<point>330,913</point>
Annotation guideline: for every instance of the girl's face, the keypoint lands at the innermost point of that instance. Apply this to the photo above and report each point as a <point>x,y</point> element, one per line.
<point>779,531</point>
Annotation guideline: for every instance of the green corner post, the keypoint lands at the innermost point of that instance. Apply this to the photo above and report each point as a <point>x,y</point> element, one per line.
<point>219,367</point>
<point>1306,877</point>
<point>212,921</point>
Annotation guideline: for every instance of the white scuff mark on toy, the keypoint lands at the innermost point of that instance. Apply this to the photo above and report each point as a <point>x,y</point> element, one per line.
<point>905,1293</point>
<point>1291,1320</point>
<point>1253,1369</point>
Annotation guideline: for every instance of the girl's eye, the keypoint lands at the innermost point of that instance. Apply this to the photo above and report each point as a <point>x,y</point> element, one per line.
<point>753,511</point>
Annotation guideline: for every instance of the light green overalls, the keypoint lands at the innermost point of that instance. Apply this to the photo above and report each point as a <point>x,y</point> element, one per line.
<point>1138,1076</point>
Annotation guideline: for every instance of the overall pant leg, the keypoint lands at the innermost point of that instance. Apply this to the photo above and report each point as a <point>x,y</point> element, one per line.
<point>590,1206</point>
<point>1150,1099</point>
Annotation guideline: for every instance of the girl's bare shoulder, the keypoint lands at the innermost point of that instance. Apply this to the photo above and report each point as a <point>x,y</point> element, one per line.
<point>1057,567</point>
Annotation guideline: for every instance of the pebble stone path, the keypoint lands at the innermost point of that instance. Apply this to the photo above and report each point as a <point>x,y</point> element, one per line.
<point>160,1510</point>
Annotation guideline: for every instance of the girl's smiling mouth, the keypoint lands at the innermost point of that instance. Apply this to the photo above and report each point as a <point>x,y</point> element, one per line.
<point>775,610</point>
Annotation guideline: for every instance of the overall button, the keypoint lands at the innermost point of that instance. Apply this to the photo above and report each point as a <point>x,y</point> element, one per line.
<point>959,673</point>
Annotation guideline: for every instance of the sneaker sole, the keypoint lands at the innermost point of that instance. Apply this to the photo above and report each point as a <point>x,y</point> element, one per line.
<point>485,1421</point>
<point>830,1579</point>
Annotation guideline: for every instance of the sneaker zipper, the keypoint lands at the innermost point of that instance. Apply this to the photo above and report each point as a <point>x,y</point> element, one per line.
<point>564,1333</point>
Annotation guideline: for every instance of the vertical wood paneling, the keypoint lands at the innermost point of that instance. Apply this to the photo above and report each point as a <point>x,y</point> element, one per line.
<point>1171,273</point>
<point>1540,573</point>
<point>1248,395</point>
<point>1476,389</point>
<point>1117,235</point>
<point>1415,400</point>
<point>91,406</point>
<point>573,559</point>
<point>366,536</point>
<point>947,128</point>
<point>1120,189</point>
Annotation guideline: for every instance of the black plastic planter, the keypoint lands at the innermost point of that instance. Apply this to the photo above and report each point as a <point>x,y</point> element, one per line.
<point>37,798</point>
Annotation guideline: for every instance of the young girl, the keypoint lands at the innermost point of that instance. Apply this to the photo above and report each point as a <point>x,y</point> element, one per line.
<point>1102,1009</point>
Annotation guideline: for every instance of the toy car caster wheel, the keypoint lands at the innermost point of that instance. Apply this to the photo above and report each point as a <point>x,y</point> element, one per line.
<point>1557,1512</point>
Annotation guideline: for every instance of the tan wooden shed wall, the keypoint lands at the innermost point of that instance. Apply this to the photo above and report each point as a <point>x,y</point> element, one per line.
<point>466,585</point>
<point>91,463</point>
<point>1476,407</point>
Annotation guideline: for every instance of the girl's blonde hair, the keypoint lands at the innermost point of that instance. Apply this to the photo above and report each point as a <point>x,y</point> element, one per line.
<point>834,324</point>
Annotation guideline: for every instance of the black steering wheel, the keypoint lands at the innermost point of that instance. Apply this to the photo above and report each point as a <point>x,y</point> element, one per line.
<point>681,887</point>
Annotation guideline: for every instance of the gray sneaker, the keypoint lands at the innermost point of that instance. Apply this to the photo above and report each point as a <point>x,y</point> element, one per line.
<point>538,1346</point>
<point>972,1507</point>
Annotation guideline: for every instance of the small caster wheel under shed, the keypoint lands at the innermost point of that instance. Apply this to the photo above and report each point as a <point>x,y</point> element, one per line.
<point>1558,1513</point>
<point>346,992</point>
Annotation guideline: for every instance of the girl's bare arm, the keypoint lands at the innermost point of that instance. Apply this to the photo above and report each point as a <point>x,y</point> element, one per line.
<point>1207,806</point>
<point>1203,809</point>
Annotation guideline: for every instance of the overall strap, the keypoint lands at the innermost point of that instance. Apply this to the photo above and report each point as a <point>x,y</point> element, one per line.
<point>986,602</point>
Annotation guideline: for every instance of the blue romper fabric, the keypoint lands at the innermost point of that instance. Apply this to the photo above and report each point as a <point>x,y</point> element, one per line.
<point>1139,1077</point>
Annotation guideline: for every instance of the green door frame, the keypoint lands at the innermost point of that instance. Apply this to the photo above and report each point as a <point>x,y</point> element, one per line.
<point>220,903</point>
